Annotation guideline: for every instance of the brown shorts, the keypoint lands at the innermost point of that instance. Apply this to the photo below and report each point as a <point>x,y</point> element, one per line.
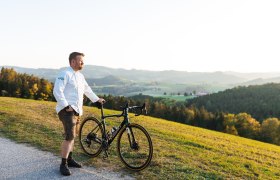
<point>70,124</point>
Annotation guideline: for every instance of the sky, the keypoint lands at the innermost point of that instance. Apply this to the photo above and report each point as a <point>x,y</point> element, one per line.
<point>185,35</point>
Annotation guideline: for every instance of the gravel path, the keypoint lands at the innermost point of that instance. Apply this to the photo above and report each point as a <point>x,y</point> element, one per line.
<point>20,161</point>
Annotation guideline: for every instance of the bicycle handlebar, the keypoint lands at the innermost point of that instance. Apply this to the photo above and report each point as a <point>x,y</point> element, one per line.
<point>142,108</point>
<point>132,108</point>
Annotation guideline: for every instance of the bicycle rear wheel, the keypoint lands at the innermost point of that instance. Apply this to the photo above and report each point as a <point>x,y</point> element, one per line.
<point>135,147</point>
<point>90,136</point>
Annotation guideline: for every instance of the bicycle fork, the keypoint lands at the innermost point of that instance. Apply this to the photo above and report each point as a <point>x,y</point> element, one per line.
<point>133,144</point>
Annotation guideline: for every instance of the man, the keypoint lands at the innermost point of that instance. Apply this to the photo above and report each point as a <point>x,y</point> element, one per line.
<point>69,88</point>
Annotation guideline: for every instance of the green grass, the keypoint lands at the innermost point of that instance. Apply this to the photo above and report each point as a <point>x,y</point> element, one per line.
<point>176,97</point>
<point>180,151</point>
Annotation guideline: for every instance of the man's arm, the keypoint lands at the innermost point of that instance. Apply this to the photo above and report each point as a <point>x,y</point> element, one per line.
<point>58,89</point>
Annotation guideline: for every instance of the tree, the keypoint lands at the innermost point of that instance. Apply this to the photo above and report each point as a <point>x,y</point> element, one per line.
<point>229,123</point>
<point>189,113</point>
<point>247,126</point>
<point>24,85</point>
<point>231,130</point>
<point>270,130</point>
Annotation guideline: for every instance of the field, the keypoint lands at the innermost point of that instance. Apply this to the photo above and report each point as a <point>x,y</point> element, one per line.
<point>180,151</point>
<point>157,89</point>
<point>180,98</point>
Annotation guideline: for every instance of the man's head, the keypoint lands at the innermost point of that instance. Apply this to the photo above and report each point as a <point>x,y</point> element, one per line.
<point>76,60</point>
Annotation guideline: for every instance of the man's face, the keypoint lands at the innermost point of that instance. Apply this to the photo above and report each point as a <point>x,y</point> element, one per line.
<point>78,62</point>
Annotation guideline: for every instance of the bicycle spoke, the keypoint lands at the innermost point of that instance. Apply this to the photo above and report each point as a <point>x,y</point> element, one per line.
<point>91,136</point>
<point>135,147</point>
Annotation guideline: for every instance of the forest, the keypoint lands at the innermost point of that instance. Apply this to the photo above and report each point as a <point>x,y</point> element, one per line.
<point>22,85</point>
<point>261,101</point>
<point>232,111</point>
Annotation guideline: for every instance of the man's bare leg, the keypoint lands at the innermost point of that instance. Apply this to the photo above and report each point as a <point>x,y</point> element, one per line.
<point>66,148</point>
<point>66,152</point>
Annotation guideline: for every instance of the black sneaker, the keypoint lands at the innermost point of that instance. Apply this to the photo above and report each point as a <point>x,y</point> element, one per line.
<point>73,163</point>
<point>64,170</point>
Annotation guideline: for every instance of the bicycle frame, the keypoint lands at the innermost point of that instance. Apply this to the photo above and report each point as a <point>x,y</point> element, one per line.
<point>104,140</point>
<point>125,122</point>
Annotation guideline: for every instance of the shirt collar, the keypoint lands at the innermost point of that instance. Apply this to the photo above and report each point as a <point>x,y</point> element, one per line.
<point>72,70</point>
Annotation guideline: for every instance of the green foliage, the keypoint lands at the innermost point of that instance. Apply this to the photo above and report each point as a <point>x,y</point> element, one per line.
<point>247,126</point>
<point>270,130</point>
<point>24,86</point>
<point>260,101</point>
<point>229,123</point>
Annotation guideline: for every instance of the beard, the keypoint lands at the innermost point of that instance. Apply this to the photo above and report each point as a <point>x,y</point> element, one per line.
<point>80,66</point>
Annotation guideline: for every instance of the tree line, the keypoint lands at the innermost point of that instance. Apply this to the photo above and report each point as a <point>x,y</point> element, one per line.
<point>261,101</point>
<point>241,124</point>
<point>15,84</point>
<point>20,85</point>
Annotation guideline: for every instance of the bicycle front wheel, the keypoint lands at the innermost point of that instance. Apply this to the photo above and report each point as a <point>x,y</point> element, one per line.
<point>135,147</point>
<point>90,136</point>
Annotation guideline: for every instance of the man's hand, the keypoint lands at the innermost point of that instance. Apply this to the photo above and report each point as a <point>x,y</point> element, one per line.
<point>69,109</point>
<point>101,100</point>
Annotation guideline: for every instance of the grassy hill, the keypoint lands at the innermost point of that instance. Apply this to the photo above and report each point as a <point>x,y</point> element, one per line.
<point>180,151</point>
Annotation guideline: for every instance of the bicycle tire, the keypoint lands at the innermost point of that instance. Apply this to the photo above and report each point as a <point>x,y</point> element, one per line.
<point>84,133</point>
<point>122,144</point>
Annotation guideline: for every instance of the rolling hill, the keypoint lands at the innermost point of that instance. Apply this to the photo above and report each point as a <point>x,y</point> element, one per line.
<point>261,101</point>
<point>180,151</point>
<point>114,81</point>
<point>124,82</point>
<point>171,77</point>
<point>260,81</point>
<point>107,81</point>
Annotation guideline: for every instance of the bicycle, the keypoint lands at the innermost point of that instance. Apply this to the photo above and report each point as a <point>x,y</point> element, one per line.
<point>135,150</point>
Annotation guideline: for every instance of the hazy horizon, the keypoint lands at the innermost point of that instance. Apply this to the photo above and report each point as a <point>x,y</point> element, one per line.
<point>194,36</point>
<point>271,72</point>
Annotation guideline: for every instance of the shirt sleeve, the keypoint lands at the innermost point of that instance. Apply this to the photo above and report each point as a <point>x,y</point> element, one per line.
<point>58,89</point>
<point>89,93</point>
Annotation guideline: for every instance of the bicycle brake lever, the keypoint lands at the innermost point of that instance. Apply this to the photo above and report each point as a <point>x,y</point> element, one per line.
<point>145,111</point>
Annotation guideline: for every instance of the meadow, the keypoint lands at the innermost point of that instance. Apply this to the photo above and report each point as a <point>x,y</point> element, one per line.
<point>180,151</point>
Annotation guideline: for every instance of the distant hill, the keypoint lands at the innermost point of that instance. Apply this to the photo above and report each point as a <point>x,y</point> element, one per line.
<point>173,77</point>
<point>260,81</point>
<point>105,81</point>
<point>125,82</point>
<point>251,76</point>
<point>261,101</point>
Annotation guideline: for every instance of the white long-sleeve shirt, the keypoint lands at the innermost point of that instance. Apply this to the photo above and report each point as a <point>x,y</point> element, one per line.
<point>69,88</point>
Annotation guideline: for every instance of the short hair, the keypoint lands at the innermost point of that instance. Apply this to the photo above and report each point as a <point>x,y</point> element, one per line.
<point>73,55</point>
